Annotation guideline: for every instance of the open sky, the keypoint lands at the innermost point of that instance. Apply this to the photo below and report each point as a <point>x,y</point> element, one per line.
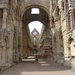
<point>35,24</point>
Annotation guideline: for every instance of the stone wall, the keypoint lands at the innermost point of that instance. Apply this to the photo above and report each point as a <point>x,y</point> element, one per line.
<point>14,39</point>
<point>59,30</point>
<point>9,21</point>
<point>42,3</point>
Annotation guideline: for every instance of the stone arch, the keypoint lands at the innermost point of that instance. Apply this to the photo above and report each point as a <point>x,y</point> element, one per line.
<point>42,9</point>
<point>27,17</point>
<point>37,6</point>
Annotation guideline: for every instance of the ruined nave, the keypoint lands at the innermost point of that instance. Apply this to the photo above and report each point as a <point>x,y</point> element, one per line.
<point>37,30</point>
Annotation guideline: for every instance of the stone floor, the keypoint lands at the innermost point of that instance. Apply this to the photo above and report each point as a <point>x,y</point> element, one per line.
<point>38,68</point>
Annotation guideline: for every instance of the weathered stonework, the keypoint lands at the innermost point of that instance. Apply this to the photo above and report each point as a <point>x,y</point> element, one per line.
<point>58,18</point>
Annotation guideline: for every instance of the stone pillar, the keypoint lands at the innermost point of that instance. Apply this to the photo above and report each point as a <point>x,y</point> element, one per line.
<point>17,41</point>
<point>51,3</point>
<point>51,7</point>
<point>57,40</point>
<point>66,51</point>
<point>66,8</point>
<point>72,45</point>
<point>72,18</point>
<point>4,18</point>
<point>11,46</point>
<point>3,41</point>
<point>21,40</point>
<point>67,48</point>
<point>48,32</point>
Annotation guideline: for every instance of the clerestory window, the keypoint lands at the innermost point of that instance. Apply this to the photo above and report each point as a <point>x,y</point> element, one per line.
<point>35,11</point>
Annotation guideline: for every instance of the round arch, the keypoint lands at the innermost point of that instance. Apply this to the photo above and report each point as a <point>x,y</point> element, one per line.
<point>42,17</point>
<point>34,6</point>
<point>27,17</point>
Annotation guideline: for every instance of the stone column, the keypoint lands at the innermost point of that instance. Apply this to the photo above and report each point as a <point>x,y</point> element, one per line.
<point>47,32</point>
<point>4,18</point>
<point>72,45</point>
<point>17,58</point>
<point>57,48</point>
<point>67,52</point>
<point>51,3</point>
<point>51,7</point>
<point>21,40</point>
<point>11,46</point>
<point>3,28</point>
<point>72,18</point>
<point>66,8</point>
